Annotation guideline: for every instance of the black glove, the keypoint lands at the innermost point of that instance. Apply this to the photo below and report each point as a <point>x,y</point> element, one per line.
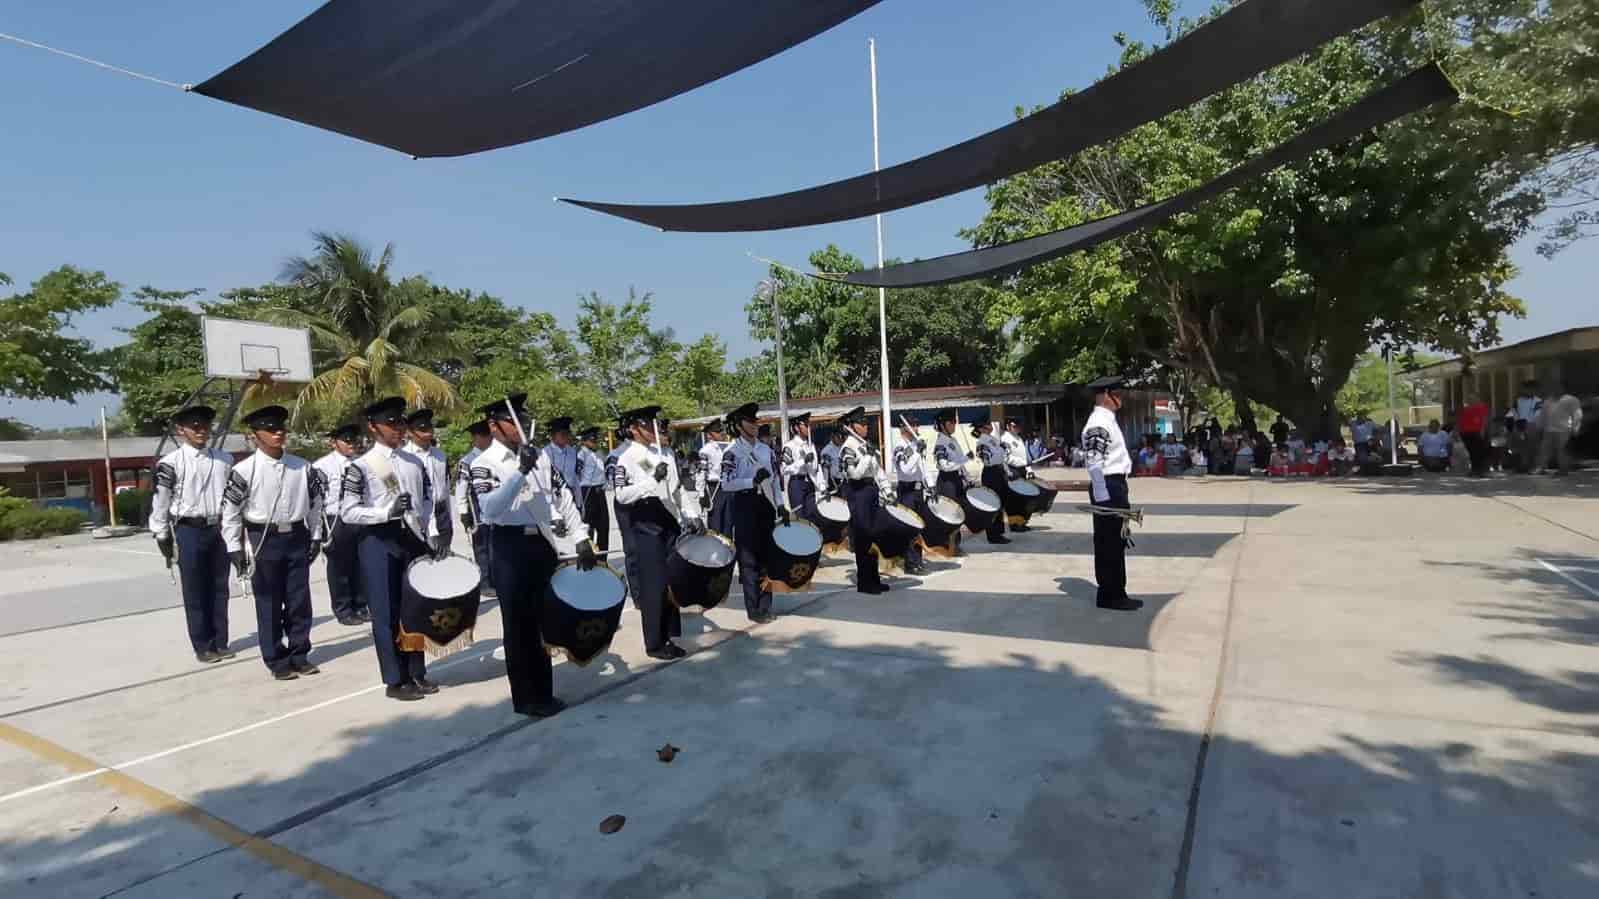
<point>921,446</point>
<point>782,513</point>
<point>442,549</point>
<point>527,457</point>
<point>694,527</point>
<point>586,559</point>
<point>660,472</point>
<point>761,476</point>
<point>1030,475</point>
<point>558,528</point>
<point>402,504</point>
<point>466,522</point>
<point>313,552</point>
<point>241,564</point>
<point>810,458</point>
<point>705,501</point>
<point>163,542</point>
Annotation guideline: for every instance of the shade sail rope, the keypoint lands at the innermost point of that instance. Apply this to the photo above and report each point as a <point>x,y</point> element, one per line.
<point>95,62</point>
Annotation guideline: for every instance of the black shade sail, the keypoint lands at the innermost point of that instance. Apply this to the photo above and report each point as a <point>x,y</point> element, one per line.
<point>1415,92</point>
<point>1243,42</point>
<point>451,77</point>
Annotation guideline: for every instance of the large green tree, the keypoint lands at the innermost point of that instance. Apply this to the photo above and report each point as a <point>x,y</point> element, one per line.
<point>1272,292</point>
<point>937,336</point>
<point>38,357</point>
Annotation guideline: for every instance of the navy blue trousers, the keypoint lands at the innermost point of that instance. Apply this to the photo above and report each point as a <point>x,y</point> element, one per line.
<point>203,573</point>
<point>910,496</point>
<point>752,525</point>
<point>1110,548</point>
<point>655,532</point>
<point>344,572</point>
<point>721,518</point>
<point>863,506</point>
<point>282,582</point>
<point>384,557</point>
<point>802,499</point>
<point>484,559</point>
<point>994,479</point>
<point>523,564</point>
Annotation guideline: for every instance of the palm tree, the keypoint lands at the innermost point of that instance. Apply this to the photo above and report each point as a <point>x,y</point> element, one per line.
<point>373,335</point>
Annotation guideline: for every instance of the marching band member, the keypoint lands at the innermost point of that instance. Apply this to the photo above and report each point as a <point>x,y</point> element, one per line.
<point>421,444</point>
<point>388,495</point>
<point>659,510</point>
<point>949,461</point>
<point>912,486</point>
<point>343,568</point>
<point>801,469</point>
<point>591,478</point>
<point>858,461</point>
<point>831,470</point>
<point>273,502</point>
<point>1015,450</point>
<point>1105,450</point>
<point>466,508</point>
<point>624,527</point>
<point>185,517</point>
<point>749,476</point>
<point>709,477</point>
<point>527,509</point>
<point>563,455</point>
<point>992,456</point>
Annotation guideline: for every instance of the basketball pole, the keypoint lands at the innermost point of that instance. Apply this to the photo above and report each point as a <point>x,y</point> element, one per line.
<point>882,294</point>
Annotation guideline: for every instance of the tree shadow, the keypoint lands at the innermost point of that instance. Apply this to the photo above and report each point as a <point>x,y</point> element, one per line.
<point>1580,484</point>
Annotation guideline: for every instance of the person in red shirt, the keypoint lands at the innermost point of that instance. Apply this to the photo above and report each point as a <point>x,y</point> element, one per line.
<point>1471,422</point>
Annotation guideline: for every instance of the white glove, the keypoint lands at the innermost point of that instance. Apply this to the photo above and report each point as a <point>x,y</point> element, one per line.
<point>1099,492</point>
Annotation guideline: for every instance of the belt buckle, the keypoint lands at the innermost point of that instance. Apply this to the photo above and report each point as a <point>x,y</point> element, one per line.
<point>530,530</point>
<point>212,520</point>
<point>283,527</point>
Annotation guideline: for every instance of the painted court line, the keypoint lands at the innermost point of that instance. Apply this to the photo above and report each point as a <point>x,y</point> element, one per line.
<point>1591,591</point>
<point>335,882</point>
<point>155,756</point>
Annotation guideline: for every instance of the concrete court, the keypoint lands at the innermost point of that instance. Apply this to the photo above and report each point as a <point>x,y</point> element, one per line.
<point>1384,688</point>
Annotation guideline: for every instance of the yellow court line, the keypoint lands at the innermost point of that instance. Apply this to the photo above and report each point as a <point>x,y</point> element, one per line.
<point>335,882</point>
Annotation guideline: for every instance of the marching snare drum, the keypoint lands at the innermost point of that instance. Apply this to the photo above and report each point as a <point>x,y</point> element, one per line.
<point>791,557</point>
<point>438,604</point>
<point>582,610</point>
<point>834,524</point>
<point>943,525</point>
<point>981,505</point>
<point>1046,498</point>
<point>898,527</point>
<point>699,571</point>
<point>1021,497</point>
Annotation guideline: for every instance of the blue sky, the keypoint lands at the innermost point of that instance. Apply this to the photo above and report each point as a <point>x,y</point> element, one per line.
<point>157,187</point>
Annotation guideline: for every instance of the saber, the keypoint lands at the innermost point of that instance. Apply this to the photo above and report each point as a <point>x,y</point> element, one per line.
<point>1129,517</point>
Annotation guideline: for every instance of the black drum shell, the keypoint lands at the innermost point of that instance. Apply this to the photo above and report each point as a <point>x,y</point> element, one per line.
<point>583,634</point>
<point>938,532</point>
<point>895,535</point>
<point>791,569</point>
<point>440,620</point>
<point>978,519</point>
<point>691,584</point>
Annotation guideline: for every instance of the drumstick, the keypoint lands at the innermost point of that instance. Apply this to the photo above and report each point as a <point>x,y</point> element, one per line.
<point>573,557</point>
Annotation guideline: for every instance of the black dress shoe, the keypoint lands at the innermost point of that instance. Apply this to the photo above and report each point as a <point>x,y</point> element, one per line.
<point>541,709</point>
<point>677,651</point>
<point>286,674</point>
<point>207,656</point>
<point>427,687</point>
<point>352,620</point>
<point>1001,539</point>
<point>663,653</point>
<point>306,668</point>
<point>223,653</point>
<point>1020,529</point>
<point>364,615</point>
<point>404,693</point>
<point>1125,604</point>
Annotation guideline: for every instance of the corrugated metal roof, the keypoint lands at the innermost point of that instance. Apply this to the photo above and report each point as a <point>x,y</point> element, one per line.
<point>33,452</point>
<point>910,399</point>
<point>1572,340</point>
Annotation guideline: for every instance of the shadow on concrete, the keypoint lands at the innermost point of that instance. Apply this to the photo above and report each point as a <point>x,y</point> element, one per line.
<point>1582,484</point>
<point>1156,545</point>
<point>877,770</point>
<point>1217,510</point>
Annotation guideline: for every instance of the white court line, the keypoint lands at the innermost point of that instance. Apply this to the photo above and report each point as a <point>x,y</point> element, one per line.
<point>131,552</point>
<point>1591,591</point>
<point>85,775</point>
<point>165,753</point>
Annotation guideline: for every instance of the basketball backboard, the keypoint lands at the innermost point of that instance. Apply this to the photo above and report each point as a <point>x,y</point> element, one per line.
<point>243,350</point>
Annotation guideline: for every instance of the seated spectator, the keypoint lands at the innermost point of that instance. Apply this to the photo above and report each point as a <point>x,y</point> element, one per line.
<point>1279,460</point>
<point>1198,462</point>
<point>1148,457</point>
<point>1340,457</point>
<point>1434,444</point>
<point>1176,458</point>
<point>1077,456</point>
<point>1376,455</point>
<point>1296,447</point>
<point>1243,458</point>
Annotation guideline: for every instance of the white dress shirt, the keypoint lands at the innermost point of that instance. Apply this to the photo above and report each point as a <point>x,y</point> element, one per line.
<point>372,487</point>
<point>909,464</point>
<point>828,459</point>
<point>800,461</point>
<point>331,467</point>
<point>277,493</point>
<point>708,467</point>
<point>742,460</point>
<point>1104,450</point>
<point>948,455</point>
<point>590,471</point>
<point>189,484</point>
<point>508,498</point>
<point>438,469</point>
<point>858,459</point>
<point>460,492</point>
<point>1015,450</point>
<point>633,480</point>
<point>563,460</point>
<point>989,450</point>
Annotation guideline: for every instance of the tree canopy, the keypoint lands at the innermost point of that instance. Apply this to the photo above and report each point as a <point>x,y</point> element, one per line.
<point>38,358</point>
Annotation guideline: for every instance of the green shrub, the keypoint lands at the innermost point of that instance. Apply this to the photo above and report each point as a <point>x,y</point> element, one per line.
<point>132,506</point>
<point>22,520</point>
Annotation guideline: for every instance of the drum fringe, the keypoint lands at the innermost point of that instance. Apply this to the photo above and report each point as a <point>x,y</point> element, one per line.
<point>770,586</point>
<point>947,550</point>
<point>1017,520</point>
<point>409,642</point>
<point>837,550</point>
<point>892,563</point>
<point>558,651</point>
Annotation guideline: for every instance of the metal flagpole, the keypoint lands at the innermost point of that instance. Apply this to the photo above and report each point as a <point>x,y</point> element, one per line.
<point>110,482</point>
<point>882,294</point>
<point>782,387</point>
<point>1393,417</point>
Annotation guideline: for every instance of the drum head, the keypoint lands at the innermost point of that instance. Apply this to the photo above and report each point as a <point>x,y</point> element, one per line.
<point>905,515</point>
<point>834,509</point>
<point>706,550</point>
<point>594,590</point>
<point>983,498</point>
<point>947,511</point>
<point>1023,487</point>
<point>442,579</point>
<point>797,538</point>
